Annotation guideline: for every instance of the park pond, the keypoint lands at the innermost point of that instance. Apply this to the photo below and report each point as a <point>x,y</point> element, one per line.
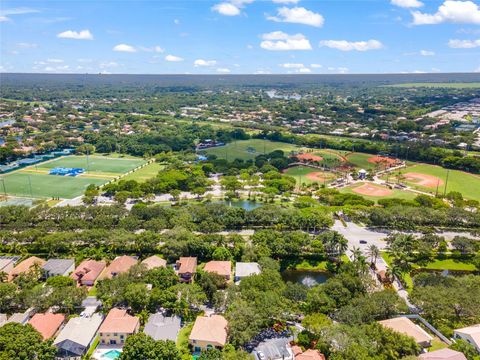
<point>244,204</point>
<point>308,278</point>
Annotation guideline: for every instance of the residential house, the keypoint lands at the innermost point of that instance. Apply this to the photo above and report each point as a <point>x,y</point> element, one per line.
<point>7,263</point>
<point>20,318</point>
<point>208,333</point>
<point>162,327</point>
<point>244,269</point>
<point>186,268</point>
<point>3,319</point>
<point>76,338</point>
<point>407,327</point>
<point>470,334</point>
<point>309,354</point>
<point>118,325</point>
<point>47,324</point>
<point>119,265</point>
<point>222,268</point>
<point>153,262</point>
<point>58,267</point>
<point>25,266</point>
<point>443,354</point>
<point>88,271</point>
<point>90,305</point>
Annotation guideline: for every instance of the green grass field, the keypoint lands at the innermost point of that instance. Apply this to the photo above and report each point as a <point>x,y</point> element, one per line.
<point>397,194</point>
<point>35,182</point>
<point>300,174</point>
<point>466,183</point>
<point>45,186</point>
<point>439,85</point>
<point>95,164</point>
<point>360,160</point>
<point>240,149</point>
<point>145,173</point>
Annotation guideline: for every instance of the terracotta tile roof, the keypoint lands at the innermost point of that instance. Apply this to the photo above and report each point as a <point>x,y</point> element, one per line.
<point>119,265</point>
<point>88,270</point>
<point>25,266</point>
<point>405,326</point>
<point>47,324</point>
<point>443,354</point>
<point>211,329</point>
<point>223,268</point>
<point>309,354</point>
<point>118,321</point>
<point>187,265</point>
<point>154,261</point>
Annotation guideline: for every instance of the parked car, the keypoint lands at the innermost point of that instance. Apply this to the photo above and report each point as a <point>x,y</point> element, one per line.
<point>363,241</point>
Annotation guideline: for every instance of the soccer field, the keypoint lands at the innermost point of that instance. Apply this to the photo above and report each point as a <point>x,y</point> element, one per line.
<point>35,182</point>
<point>45,186</point>
<point>95,164</point>
<point>249,149</point>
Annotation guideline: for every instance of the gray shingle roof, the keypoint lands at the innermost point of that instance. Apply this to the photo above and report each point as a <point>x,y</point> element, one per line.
<point>162,327</point>
<point>58,266</point>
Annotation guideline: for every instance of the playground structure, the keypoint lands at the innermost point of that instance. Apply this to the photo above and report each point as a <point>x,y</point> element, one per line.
<point>61,171</point>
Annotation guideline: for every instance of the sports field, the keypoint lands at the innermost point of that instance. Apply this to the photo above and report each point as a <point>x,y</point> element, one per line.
<point>369,161</point>
<point>249,149</point>
<point>466,183</point>
<point>35,182</point>
<point>308,175</point>
<point>377,192</point>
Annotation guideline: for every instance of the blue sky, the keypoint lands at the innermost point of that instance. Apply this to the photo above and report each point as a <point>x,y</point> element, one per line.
<point>240,36</point>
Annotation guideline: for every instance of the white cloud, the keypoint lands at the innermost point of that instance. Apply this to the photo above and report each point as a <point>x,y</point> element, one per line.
<point>304,71</point>
<point>4,13</point>
<point>286,1</point>
<point>55,61</point>
<point>76,35</point>
<point>280,41</point>
<point>176,22</point>
<point>108,64</point>
<point>345,45</point>
<point>262,72</point>
<point>451,11</point>
<point>427,53</point>
<point>201,62</point>
<point>464,44</point>
<point>156,49</point>
<point>298,15</point>
<point>124,48</point>
<point>407,3</point>
<point>338,70</point>
<point>292,66</point>
<point>223,70</point>
<point>226,9</point>
<point>477,69</point>
<point>24,45</point>
<point>173,58</point>
<point>316,66</point>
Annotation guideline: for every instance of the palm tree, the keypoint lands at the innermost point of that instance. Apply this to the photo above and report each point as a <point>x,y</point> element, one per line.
<point>374,253</point>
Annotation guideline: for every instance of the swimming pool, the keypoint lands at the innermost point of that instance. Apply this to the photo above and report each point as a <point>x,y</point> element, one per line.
<point>111,355</point>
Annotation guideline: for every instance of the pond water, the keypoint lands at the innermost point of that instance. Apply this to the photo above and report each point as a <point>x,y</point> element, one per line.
<point>305,277</point>
<point>244,204</point>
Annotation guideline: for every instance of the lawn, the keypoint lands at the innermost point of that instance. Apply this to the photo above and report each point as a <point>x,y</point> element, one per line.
<point>46,186</point>
<point>397,194</point>
<point>360,160</point>
<point>182,339</point>
<point>95,164</point>
<point>145,173</point>
<point>249,149</point>
<point>300,174</point>
<point>466,183</point>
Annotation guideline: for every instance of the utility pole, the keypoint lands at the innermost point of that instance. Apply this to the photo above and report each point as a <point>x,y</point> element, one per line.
<point>30,185</point>
<point>88,162</point>
<point>446,182</point>
<point>4,189</point>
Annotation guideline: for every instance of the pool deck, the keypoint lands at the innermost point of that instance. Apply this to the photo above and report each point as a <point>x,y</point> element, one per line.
<point>101,350</point>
